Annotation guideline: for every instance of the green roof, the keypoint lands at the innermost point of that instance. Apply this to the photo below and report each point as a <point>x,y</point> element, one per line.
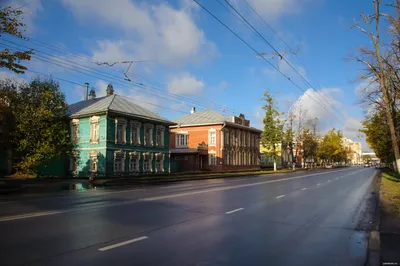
<point>114,103</point>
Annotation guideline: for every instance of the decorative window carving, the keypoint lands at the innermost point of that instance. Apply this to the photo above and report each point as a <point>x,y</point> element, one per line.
<point>94,129</point>
<point>147,162</point>
<point>159,162</point>
<point>119,161</point>
<point>73,162</point>
<point>94,161</point>
<point>148,134</point>
<point>74,131</point>
<point>212,137</point>
<point>134,162</point>
<point>135,132</point>
<point>160,136</point>
<point>120,130</point>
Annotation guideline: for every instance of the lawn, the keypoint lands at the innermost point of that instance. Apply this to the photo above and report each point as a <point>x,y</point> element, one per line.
<point>390,188</point>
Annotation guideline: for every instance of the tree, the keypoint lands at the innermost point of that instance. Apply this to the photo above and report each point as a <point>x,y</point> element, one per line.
<point>10,23</point>
<point>382,68</point>
<point>273,127</point>
<point>288,137</point>
<point>310,145</point>
<point>331,148</point>
<point>40,135</point>
<point>377,134</point>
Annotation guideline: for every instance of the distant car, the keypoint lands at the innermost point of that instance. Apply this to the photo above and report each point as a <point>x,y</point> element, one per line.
<point>366,165</point>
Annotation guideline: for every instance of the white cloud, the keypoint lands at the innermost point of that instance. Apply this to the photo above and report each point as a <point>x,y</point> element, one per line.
<point>31,9</point>
<point>151,32</point>
<point>223,84</point>
<point>275,9</point>
<point>316,105</point>
<point>185,83</point>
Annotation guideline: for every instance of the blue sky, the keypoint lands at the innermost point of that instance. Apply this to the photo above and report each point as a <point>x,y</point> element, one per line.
<point>192,60</point>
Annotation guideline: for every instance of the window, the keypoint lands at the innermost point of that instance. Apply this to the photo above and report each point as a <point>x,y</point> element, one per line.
<point>212,159</point>
<point>119,161</point>
<point>160,136</point>
<point>133,165</point>
<point>120,130</point>
<point>181,140</point>
<point>262,158</point>
<point>159,162</point>
<point>212,137</point>
<point>119,133</point>
<point>118,165</point>
<point>148,136</point>
<point>226,137</point>
<point>232,138</point>
<point>228,157</point>
<point>74,131</point>
<point>147,158</point>
<point>94,129</point>
<point>93,161</point>
<point>135,132</point>
<point>240,158</point>
<point>239,138</point>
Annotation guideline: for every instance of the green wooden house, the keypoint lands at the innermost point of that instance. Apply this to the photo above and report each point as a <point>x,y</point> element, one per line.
<point>113,136</point>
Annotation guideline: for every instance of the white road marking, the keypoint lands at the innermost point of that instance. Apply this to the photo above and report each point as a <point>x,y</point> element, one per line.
<point>304,188</point>
<point>123,243</point>
<point>336,178</point>
<point>281,196</point>
<point>234,211</point>
<point>29,215</point>
<point>229,187</point>
<point>329,180</point>
<point>318,184</point>
<point>176,186</point>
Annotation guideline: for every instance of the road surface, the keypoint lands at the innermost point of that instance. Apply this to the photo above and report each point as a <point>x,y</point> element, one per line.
<point>302,218</point>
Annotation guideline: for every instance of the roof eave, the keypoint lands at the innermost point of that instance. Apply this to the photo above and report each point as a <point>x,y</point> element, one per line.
<point>177,125</point>
<point>150,119</point>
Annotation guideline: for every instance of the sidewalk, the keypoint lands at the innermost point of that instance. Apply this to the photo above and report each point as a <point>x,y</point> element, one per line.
<point>125,181</point>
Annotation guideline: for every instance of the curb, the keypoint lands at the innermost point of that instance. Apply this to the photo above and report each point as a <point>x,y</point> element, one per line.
<point>161,180</point>
<point>374,240</point>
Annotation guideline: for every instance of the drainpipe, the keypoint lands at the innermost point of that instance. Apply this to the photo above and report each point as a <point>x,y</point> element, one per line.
<point>220,140</point>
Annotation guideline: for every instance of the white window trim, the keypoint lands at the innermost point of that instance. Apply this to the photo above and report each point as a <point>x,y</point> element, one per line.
<point>123,155</point>
<point>137,125</point>
<point>74,131</point>
<point>149,156</point>
<point>94,158</point>
<point>94,122</point>
<point>210,157</point>
<point>134,155</point>
<point>161,130</point>
<point>160,157</point>
<point>212,130</point>
<point>186,136</point>
<point>123,122</point>
<point>146,127</point>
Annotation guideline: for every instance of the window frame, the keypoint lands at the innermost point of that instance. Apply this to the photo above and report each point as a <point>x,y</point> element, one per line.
<point>212,137</point>
<point>181,139</point>
<point>94,130</point>
<point>135,128</point>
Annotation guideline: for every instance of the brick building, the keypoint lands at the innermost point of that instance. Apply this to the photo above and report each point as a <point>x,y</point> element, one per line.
<point>208,140</point>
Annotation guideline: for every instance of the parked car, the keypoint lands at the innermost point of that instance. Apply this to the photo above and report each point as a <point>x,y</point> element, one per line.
<point>366,165</point>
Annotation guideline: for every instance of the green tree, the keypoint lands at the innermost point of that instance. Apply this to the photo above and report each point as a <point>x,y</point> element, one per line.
<point>377,135</point>
<point>10,23</point>
<point>40,135</point>
<point>273,128</point>
<point>310,145</point>
<point>331,148</point>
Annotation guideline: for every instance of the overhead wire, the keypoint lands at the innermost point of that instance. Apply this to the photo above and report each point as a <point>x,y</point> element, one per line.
<point>288,46</point>
<point>282,57</point>
<point>112,77</point>
<point>259,54</point>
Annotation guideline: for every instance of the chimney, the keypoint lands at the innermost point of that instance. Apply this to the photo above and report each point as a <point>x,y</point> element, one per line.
<point>86,91</point>
<point>92,94</point>
<point>109,90</point>
<point>193,110</point>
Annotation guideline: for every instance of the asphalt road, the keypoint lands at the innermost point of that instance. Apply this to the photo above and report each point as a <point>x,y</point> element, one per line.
<point>302,218</point>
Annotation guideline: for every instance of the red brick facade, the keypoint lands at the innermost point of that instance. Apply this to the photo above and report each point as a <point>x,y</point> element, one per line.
<point>235,147</point>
